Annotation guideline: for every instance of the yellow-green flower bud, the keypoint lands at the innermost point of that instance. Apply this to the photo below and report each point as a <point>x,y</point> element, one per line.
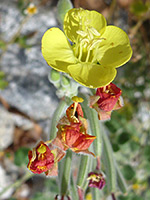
<point>65,82</point>
<point>54,76</point>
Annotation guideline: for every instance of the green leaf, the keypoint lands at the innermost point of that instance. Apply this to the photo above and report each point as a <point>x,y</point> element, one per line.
<point>63,7</point>
<point>124,198</point>
<point>115,147</point>
<point>3,84</point>
<point>21,156</point>
<point>2,45</point>
<point>137,198</point>
<point>2,74</point>
<point>147,152</point>
<point>128,172</point>
<point>138,7</point>
<point>134,146</point>
<point>123,138</point>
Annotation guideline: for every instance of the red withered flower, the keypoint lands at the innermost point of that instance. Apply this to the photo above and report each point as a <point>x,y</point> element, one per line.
<point>106,100</point>
<point>96,180</point>
<point>72,131</point>
<point>42,159</point>
<point>71,137</point>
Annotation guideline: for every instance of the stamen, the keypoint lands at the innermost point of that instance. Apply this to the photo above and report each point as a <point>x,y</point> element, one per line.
<point>94,31</point>
<point>91,46</point>
<point>88,55</point>
<point>75,108</point>
<point>85,41</point>
<point>82,33</point>
<point>90,34</point>
<point>95,43</point>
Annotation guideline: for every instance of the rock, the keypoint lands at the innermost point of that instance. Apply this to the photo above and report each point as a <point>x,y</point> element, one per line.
<point>26,70</point>
<point>4,182</point>
<point>6,129</point>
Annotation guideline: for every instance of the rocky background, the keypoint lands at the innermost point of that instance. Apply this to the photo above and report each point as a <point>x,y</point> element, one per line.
<point>28,100</point>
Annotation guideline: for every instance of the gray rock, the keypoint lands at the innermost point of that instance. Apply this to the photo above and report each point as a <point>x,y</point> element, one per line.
<point>4,182</point>
<point>6,129</point>
<point>26,70</point>
<point>10,19</point>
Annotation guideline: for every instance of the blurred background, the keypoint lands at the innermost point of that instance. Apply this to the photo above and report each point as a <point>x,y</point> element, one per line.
<point>28,100</point>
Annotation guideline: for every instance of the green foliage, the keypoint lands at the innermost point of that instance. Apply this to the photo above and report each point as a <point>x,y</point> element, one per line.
<point>50,191</point>
<point>123,138</point>
<point>22,4</point>
<point>131,197</point>
<point>21,157</point>
<point>12,198</point>
<point>139,7</point>
<point>22,41</point>
<point>2,45</point>
<point>115,147</point>
<point>128,172</point>
<point>3,83</point>
<point>43,196</point>
<point>147,152</point>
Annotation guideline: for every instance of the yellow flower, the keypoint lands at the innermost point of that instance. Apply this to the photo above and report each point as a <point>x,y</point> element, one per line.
<point>31,9</point>
<point>96,50</point>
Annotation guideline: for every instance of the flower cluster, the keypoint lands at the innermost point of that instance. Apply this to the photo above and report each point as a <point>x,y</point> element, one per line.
<point>89,51</point>
<point>72,133</point>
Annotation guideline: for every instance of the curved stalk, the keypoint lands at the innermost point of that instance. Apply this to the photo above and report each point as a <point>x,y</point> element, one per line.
<point>66,172</point>
<point>56,116</point>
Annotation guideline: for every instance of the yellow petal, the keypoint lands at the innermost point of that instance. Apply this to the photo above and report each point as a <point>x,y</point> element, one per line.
<point>92,75</point>
<point>115,49</point>
<point>56,50</point>
<point>78,19</point>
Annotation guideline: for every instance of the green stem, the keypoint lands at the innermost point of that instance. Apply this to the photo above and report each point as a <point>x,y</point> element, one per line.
<point>94,125</point>
<point>56,116</point>
<point>96,194</point>
<point>74,193</point>
<point>17,183</point>
<point>120,180</point>
<point>95,129</point>
<point>83,170</point>
<point>109,164</point>
<point>65,178</point>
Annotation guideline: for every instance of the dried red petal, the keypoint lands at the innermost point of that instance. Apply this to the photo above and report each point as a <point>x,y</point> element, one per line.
<point>109,96</point>
<point>40,159</point>
<point>72,131</point>
<point>73,112</point>
<point>83,142</point>
<point>106,100</point>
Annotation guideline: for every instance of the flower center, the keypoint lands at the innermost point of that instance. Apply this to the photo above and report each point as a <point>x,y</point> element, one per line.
<point>87,43</point>
<point>41,149</point>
